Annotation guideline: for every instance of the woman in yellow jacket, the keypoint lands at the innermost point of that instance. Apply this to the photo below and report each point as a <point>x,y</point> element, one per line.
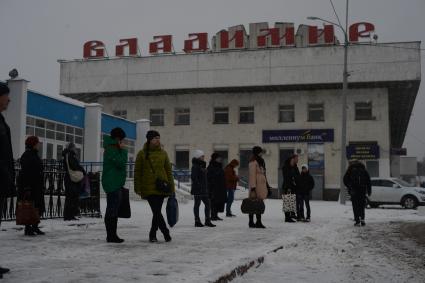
<point>153,167</point>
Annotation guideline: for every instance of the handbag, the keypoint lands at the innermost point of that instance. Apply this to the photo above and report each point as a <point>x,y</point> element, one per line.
<point>161,185</point>
<point>26,213</point>
<point>289,203</point>
<point>75,175</point>
<point>172,210</point>
<point>124,210</point>
<point>253,206</point>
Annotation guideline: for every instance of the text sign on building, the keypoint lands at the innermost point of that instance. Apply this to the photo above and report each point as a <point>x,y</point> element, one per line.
<point>363,151</point>
<point>260,36</point>
<point>308,136</point>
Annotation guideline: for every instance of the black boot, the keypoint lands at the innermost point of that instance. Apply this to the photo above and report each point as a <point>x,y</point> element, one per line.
<point>251,221</point>
<point>259,224</point>
<point>152,237</point>
<point>37,230</point>
<point>111,230</point>
<point>198,223</point>
<point>288,218</point>
<point>29,231</point>
<point>167,236</point>
<point>209,224</point>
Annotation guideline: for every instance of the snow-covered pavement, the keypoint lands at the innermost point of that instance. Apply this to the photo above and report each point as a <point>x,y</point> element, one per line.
<point>329,249</point>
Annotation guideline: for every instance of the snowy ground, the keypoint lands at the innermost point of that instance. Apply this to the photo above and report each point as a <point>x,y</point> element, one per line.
<point>329,249</point>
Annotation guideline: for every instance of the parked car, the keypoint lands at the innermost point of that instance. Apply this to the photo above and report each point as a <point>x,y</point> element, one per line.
<point>395,191</point>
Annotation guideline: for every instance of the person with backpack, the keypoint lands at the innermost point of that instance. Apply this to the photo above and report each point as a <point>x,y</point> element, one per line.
<point>305,185</point>
<point>357,180</point>
<point>199,188</point>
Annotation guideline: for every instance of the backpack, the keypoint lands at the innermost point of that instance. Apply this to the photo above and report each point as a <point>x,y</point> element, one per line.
<point>358,178</point>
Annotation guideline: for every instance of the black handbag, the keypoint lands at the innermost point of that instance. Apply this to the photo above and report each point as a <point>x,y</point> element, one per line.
<point>161,185</point>
<point>253,206</point>
<point>124,210</point>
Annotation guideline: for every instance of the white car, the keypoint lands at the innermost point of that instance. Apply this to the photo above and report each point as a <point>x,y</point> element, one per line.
<point>395,191</point>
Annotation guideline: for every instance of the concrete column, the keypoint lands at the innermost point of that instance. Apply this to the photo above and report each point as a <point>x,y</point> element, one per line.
<point>16,114</point>
<point>142,127</point>
<point>92,132</point>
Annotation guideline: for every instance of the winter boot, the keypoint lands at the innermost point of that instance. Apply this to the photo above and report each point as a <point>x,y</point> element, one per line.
<point>111,231</point>
<point>167,236</point>
<point>37,230</point>
<point>288,218</point>
<point>208,223</point>
<point>251,223</point>
<point>198,223</point>
<point>152,237</point>
<point>362,223</point>
<point>259,224</point>
<point>29,231</point>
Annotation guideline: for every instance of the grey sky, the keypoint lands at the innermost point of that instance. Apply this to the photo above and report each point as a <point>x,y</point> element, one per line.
<point>34,34</point>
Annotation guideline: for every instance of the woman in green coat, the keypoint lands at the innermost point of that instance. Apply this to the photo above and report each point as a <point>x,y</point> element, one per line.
<point>152,163</point>
<point>113,179</point>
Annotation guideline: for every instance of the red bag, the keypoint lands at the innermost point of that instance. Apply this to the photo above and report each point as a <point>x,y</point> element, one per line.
<point>26,213</point>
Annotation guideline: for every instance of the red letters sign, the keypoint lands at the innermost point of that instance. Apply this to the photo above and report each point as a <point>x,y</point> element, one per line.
<point>261,36</point>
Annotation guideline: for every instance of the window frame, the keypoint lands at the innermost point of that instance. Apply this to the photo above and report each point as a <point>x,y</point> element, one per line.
<point>245,111</point>
<point>357,108</point>
<point>217,112</point>
<point>280,110</point>
<point>181,112</point>
<point>309,109</point>
<point>161,122</point>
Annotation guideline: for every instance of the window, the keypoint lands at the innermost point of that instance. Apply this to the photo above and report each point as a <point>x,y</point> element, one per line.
<point>221,115</point>
<point>59,150</point>
<point>316,112</point>
<point>60,136</point>
<point>182,159</point>
<point>120,113</point>
<point>244,157</point>
<point>286,113</point>
<point>78,140</point>
<point>182,116</point>
<point>60,128</point>
<point>39,123</point>
<point>69,130</point>
<point>79,131</point>
<point>30,131</point>
<point>50,134</point>
<point>50,126</point>
<point>39,132</point>
<point>364,111</point>
<point>49,151</point>
<point>157,117</point>
<point>246,115</point>
<point>30,121</point>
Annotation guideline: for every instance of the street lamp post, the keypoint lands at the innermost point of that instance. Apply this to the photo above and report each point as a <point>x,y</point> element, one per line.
<point>343,195</point>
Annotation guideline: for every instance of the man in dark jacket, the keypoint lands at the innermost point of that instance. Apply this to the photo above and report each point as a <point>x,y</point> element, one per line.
<point>305,185</point>
<point>357,180</point>
<point>290,174</point>
<point>7,173</point>
<point>199,188</point>
<point>216,186</point>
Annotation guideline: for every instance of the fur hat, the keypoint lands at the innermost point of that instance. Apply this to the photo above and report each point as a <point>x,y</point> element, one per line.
<point>198,153</point>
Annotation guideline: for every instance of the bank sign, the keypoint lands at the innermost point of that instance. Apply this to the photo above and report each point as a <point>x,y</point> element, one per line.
<point>363,151</point>
<point>235,38</point>
<point>308,136</point>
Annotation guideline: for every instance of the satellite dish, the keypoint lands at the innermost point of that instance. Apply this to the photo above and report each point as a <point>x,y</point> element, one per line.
<point>13,74</point>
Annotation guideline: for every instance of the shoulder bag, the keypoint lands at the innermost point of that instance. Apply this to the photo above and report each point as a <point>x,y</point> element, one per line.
<point>75,175</point>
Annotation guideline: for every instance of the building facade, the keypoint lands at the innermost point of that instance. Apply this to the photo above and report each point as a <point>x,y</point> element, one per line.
<point>287,100</point>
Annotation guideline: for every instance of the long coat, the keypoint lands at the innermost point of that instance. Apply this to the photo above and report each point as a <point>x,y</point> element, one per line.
<point>257,180</point>
<point>290,176</point>
<point>31,178</point>
<point>199,178</point>
<point>114,166</point>
<point>7,172</point>
<point>144,176</point>
<point>217,185</point>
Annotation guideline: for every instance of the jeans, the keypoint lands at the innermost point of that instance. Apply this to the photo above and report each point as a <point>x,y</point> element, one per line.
<point>155,202</point>
<point>207,205</point>
<point>113,201</point>
<point>359,203</point>
<point>307,204</point>
<point>230,199</point>
<point>300,206</point>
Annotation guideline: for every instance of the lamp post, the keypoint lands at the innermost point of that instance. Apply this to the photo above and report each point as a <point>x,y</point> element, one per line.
<point>343,195</point>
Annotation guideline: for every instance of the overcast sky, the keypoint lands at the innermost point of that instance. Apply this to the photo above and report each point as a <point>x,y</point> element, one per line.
<point>35,34</point>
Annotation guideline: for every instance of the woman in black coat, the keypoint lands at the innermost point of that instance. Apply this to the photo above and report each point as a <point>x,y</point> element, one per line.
<point>31,181</point>
<point>216,186</point>
<point>290,174</point>
<point>72,189</point>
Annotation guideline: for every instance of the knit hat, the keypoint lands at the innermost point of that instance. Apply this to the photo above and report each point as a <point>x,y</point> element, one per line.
<point>215,155</point>
<point>118,133</point>
<point>4,89</point>
<point>304,166</point>
<point>256,150</point>
<point>151,135</point>
<point>198,153</point>
<point>31,141</point>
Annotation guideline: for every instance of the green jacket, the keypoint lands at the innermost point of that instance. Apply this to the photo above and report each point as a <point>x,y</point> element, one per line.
<point>114,165</point>
<point>144,178</point>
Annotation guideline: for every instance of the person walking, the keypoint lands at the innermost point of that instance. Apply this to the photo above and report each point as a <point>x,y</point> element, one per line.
<point>153,180</point>
<point>357,180</point>
<point>216,185</point>
<point>290,174</point>
<point>258,186</point>
<point>72,189</point>
<point>199,188</point>
<point>231,183</point>
<point>31,181</point>
<point>113,179</point>
<point>7,170</point>
<point>305,185</point>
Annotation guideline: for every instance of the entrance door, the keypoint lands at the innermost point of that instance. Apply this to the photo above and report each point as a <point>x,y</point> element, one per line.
<point>284,154</point>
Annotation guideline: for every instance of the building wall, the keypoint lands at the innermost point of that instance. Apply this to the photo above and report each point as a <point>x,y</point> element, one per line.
<point>203,134</point>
